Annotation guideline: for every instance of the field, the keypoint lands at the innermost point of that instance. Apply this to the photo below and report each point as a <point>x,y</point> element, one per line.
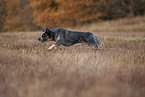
<point>28,69</point>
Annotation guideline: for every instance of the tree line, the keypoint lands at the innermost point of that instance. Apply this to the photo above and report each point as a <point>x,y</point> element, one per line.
<point>28,15</point>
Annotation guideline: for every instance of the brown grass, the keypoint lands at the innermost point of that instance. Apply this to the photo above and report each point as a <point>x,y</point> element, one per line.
<point>123,25</point>
<point>28,69</point>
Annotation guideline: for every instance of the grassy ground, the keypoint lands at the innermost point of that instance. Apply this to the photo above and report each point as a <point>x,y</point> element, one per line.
<point>28,69</point>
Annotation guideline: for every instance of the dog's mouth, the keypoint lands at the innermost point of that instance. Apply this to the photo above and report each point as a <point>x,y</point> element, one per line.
<point>40,39</point>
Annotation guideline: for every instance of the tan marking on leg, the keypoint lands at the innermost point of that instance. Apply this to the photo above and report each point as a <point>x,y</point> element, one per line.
<point>57,38</point>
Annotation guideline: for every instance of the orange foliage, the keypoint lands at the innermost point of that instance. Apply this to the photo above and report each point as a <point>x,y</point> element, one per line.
<point>54,13</point>
<point>18,16</point>
<point>24,15</point>
<point>12,19</point>
<point>2,14</point>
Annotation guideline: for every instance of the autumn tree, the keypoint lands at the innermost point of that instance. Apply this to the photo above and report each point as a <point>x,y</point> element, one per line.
<point>17,15</point>
<point>114,9</point>
<point>2,14</point>
<point>24,15</point>
<point>54,13</point>
<point>80,11</point>
<point>12,19</point>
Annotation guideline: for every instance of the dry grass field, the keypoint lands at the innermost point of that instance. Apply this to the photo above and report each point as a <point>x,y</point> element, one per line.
<point>28,69</point>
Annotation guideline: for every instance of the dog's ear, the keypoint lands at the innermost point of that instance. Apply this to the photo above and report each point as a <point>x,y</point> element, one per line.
<point>47,30</point>
<point>43,30</point>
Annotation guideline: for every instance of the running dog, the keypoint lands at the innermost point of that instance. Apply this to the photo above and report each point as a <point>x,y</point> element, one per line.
<point>68,38</point>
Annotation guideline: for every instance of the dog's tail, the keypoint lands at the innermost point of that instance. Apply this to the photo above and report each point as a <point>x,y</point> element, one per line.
<point>98,40</point>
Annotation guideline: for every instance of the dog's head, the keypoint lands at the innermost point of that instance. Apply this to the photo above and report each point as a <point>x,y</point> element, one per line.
<point>44,36</point>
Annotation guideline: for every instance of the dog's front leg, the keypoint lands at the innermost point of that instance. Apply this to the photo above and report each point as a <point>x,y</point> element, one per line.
<point>58,43</point>
<point>51,47</point>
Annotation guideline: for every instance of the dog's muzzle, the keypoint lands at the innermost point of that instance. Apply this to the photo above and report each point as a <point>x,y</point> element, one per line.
<point>40,39</point>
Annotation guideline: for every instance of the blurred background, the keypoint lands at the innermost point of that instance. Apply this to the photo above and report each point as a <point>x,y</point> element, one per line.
<point>28,69</point>
<point>32,15</point>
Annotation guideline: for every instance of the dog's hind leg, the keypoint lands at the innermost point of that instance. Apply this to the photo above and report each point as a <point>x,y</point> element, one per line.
<point>92,42</point>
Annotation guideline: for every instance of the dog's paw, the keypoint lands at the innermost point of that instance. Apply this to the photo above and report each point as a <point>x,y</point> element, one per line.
<point>49,49</point>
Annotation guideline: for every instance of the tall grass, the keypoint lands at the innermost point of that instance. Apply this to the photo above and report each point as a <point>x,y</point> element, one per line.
<point>28,69</point>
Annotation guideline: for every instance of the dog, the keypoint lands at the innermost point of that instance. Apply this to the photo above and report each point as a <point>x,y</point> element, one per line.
<point>68,38</point>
